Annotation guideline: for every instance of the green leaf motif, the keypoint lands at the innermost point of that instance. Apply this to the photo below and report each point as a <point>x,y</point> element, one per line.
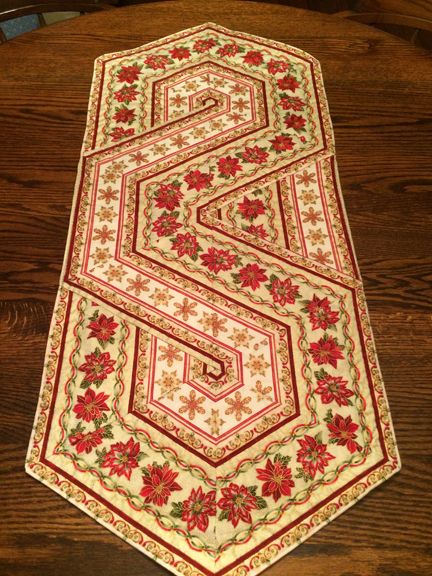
<point>252,490</point>
<point>100,456</point>
<point>302,475</point>
<point>223,515</point>
<point>284,460</point>
<point>329,416</point>
<point>177,510</point>
<point>321,374</point>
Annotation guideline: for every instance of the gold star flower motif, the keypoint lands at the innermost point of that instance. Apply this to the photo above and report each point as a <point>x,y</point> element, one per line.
<point>240,337</point>
<point>257,365</point>
<point>161,297</point>
<point>168,384</point>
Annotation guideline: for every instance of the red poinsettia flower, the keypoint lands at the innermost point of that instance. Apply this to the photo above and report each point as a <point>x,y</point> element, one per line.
<point>86,441</point>
<point>102,328</point>
<point>129,74</point>
<point>250,209</point>
<point>253,58</point>
<point>204,45</point>
<point>91,405</point>
<point>326,351</point>
<point>252,276</point>
<point>217,260</point>
<point>313,455</point>
<point>198,180</point>
<point>277,479</point>
<point>122,458</point>
<point>197,509</point>
<point>255,155</point>
<point>185,244</point>
<point>228,49</point>
<point>229,166</point>
<point>292,103</point>
<point>97,366</point>
<point>168,196</point>
<point>284,291</point>
<point>320,313</point>
<point>180,53</point>
<point>119,133</point>
<point>333,388</point>
<point>294,121</point>
<point>257,231</point>
<point>238,501</point>
<point>124,115</point>
<point>275,66</point>
<point>288,83</point>
<point>165,225</point>
<point>343,432</point>
<point>282,142</point>
<point>159,483</point>
<point>157,61</point>
<point>126,94</point>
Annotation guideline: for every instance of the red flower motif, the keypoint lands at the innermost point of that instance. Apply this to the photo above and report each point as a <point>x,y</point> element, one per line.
<point>294,121</point>
<point>275,66</point>
<point>159,482</point>
<point>197,509</point>
<point>165,225</point>
<point>252,276</point>
<point>124,115</point>
<point>97,366</point>
<point>119,133</point>
<point>250,209</point>
<point>343,432</point>
<point>320,313</point>
<point>238,501</point>
<point>102,328</point>
<point>168,196</point>
<point>86,441</point>
<point>122,458</point>
<point>217,260</point>
<point>229,166</point>
<point>91,405</point>
<point>129,74</point>
<point>281,143</point>
<point>292,103</point>
<point>288,83</point>
<point>185,244</point>
<point>180,53</point>
<point>333,388</point>
<point>313,456</point>
<point>198,180</point>
<point>157,61</point>
<point>228,49</point>
<point>204,45</point>
<point>283,291</point>
<point>253,58</point>
<point>255,155</point>
<point>126,94</point>
<point>257,231</point>
<point>277,479</point>
<point>326,351</point>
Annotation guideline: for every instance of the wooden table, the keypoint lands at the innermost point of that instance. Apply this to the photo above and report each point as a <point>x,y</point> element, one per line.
<point>380,94</point>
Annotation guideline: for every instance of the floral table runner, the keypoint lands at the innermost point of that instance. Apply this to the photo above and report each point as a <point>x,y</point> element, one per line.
<point>211,391</point>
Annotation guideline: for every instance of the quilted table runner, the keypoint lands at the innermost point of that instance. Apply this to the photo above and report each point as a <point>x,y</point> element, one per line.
<point>211,392</point>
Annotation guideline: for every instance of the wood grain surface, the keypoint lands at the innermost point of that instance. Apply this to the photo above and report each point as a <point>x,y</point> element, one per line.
<point>380,95</point>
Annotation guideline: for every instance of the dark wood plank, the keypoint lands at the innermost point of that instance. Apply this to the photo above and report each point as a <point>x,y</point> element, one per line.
<point>379,90</point>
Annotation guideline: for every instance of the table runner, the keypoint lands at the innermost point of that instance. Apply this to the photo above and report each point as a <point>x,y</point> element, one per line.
<point>211,391</point>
